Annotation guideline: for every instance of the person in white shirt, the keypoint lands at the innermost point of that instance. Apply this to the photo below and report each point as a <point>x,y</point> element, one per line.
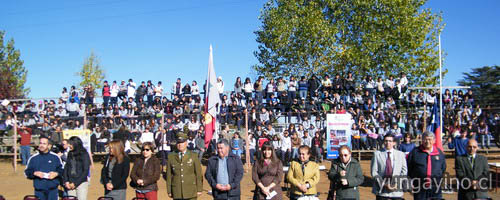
<point>158,90</point>
<point>147,136</point>
<point>131,86</point>
<point>286,145</point>
<point>220,85</point>
<point>114,89</point>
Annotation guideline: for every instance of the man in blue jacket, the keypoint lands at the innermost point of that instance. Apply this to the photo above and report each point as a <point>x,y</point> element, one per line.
<point>224,173</point>
<point>426,167</point>
<point>44,168</point>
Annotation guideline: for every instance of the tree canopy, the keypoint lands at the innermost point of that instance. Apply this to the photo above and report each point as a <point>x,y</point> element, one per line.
<point>377,38</point>
<point>92,72</point>
<point>485,82</point>
<point>12,71</point>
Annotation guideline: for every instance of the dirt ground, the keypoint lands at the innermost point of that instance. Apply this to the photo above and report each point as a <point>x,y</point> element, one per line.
<point>14,185</point>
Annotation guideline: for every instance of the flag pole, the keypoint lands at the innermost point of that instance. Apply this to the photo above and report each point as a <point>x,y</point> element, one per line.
<point>440,89</point>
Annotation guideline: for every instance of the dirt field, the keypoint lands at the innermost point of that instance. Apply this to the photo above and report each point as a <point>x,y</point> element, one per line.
<point>14,186</point>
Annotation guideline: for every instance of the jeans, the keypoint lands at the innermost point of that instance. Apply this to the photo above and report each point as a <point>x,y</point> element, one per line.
<point>114,100</point>
<point>252,152</point>
<point>47,194</point>
<point>25,154</point>
<point>484,138</point>
<point>81,191</point>
<point>295,153</point>
<point>303,94</point>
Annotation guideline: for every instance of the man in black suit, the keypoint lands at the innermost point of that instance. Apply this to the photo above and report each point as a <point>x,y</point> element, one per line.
<point>473,167</point>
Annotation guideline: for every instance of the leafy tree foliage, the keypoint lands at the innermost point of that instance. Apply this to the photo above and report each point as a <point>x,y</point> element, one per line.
<point>12,71</point>
<point>485,82</point>
<point>378,38</point>
<point>92,72</point>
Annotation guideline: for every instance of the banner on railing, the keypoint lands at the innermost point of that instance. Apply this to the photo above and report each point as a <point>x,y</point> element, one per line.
<point>84,135</point>
<point>338,133</point>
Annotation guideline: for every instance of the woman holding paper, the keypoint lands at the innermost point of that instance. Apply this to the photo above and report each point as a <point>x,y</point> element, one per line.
<point>267,174</point>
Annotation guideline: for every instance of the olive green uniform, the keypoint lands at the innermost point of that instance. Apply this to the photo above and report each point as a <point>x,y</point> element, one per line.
<point>184,178</point>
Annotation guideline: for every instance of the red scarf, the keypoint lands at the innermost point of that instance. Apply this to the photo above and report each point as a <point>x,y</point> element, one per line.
<point>434,152</point>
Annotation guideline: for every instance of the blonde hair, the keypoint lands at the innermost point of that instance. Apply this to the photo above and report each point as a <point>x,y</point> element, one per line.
<point>118,150</point>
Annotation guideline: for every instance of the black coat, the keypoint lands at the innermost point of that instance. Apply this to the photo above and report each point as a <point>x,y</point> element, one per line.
<point>118,175</point>
<point>235,173</point>
<point>81,170</point>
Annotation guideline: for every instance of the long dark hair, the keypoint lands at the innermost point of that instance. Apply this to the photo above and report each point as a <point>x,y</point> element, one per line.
<point>78,149</point>
<point>268,145</point>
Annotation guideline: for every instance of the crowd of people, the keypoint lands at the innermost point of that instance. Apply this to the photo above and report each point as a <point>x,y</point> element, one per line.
<point>143,114</point>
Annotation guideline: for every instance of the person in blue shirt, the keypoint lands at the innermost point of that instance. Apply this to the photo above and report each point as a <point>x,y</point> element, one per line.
<point>45,168</point>
<point>407,145</point>
<point>459,143</point>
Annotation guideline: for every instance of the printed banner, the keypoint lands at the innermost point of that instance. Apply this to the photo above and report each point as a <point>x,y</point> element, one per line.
<point>338,133</point>
<point>84,135</point>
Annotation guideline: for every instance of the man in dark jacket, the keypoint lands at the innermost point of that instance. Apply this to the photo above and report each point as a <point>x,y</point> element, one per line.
<point>426,164</point>
<point>44,168</point>
<point>475,169</point>
<point>224,173</point>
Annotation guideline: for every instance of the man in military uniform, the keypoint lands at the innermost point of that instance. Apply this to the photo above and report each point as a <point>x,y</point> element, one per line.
<point>184,175</point>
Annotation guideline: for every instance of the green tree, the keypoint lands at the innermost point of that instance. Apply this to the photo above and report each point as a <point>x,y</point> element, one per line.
<point>12,71</point>
<point>484,81</point>
<point>366,37</point>
<point>92,72</point>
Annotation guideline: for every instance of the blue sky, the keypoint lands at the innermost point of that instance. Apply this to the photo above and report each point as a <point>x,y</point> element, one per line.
<point>162,40</point>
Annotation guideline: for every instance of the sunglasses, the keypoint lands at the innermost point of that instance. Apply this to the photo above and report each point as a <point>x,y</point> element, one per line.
<point>146,149</point>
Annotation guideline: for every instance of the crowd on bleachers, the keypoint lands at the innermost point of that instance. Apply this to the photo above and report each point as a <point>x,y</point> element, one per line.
<point>378,107</point>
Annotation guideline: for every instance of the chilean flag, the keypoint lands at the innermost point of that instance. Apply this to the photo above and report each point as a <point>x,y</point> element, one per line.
<point>436,126</point>
<point>212,99</point>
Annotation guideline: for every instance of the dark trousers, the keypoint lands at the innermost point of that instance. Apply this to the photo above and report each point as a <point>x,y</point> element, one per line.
<point>47,194</point>
<point>388,198</point>
<point>433,193</point>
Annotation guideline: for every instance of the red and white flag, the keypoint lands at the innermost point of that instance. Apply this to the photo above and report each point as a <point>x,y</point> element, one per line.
<point>212,99</point>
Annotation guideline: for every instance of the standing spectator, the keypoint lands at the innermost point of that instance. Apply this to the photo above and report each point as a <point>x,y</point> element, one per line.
<point>140,92</point>
<point>484,134</point>
<point>407,146</point>
<point>44,168</point>
<point>238,86</point>
<point>106,93</point>
<point>267,174</point>
<point>387,166</point>
<point>184,175</point>
<point>25,134</point>
<point>292,88</point>
<point>146,173</point>
<point>237,144</point>
<point>76,169</point>
<point>65,94</point>
<point>286,147</point>
<point>345,176</point>
<point>303,87</point>
<point>195,91</point>
<point>258,87</point>
<point>224,173</point>
<point>248,89</point>
<point>472,168</point>
<point>150,91</point>
<point>370,85</point>
<point>158,90</point>
<point>220,86</point>
<point>131,87</point>
<point>314,85</point>
<point>177,87</point>
<point>303,175</point>
<point>459,143</point>
<point>326,84</point>
<point>270,89</point>
<point>428,164</point>
<point>115,172</point>
<point>317,144</point>
<point>114,90</point>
